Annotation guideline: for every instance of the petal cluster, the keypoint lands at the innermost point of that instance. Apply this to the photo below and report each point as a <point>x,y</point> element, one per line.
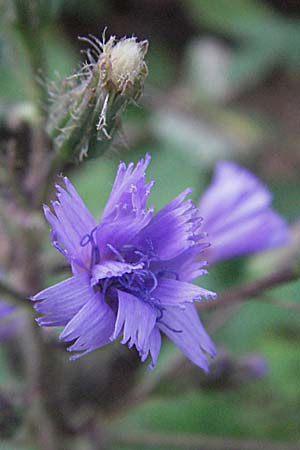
<point>238,216</point>
<point>132,271</point>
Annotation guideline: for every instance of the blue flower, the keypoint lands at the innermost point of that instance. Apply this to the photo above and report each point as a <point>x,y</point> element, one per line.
<point>132,272</point>
<point>238,216</point>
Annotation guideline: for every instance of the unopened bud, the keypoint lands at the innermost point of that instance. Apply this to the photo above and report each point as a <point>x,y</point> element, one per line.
<point>230,372</point>
<point>87,106</point>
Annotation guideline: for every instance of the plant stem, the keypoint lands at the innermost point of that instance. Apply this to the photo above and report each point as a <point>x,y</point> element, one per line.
<point>40,423</point>
<point>39,359</point>
<point>253,289</point>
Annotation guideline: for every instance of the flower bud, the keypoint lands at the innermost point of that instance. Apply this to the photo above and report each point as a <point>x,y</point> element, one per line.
<point>230,372</point>
<point>87,106</point>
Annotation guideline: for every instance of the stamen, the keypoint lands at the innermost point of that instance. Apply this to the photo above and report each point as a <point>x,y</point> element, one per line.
<point>161,312</point>
<point>131,279</point>
<point>139,253</point>
<point>127,285</point>
<point>116,252</point>
<point>145,257</point>
<point>95,256</point>
<point>168,326</point>
<point>89,239</point>
<point>105,286</point>
<point>85,240</point>
<point>140,282</point>
<point>155,282</point>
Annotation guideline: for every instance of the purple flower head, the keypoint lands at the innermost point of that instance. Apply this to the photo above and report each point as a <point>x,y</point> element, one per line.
<point>131,272</point>
<point>238,217</point>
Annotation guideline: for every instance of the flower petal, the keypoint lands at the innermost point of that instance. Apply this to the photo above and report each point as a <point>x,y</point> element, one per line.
<point>70,223</point>
<point>266,230</point>
<point>184,267</point>
<point>91,327</point>
<point>172,292</point>
<point>237,214</point>
<point>173,229</point>
<point>59,303</point>
<point>129,189</point>
<point>125,213</point>
<point>154,347</point>
<point>109,269</point>
<point>185,329</point>
<point>233,189</point>
<point>137,319</point>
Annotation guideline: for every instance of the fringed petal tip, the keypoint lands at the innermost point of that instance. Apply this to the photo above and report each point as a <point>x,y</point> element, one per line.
<point>43,321</point>
<point>213,352</point>
<point>67,182</point>
<point>76,357</point>
<point>45,208</point>
<point>205,368</point>
<point>212,295</point>
<point>205,295</point>
<point>141,165</point>
<point>38,298</point>
<point>144,162</point>
<point>78,354</point>
<point>151,366</point>
<point>145,356</point>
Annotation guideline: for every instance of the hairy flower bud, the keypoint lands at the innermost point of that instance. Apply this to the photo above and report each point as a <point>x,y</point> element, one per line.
<point>87,106</point>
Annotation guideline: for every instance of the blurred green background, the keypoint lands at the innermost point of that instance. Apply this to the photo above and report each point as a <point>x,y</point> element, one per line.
<point>223,84</point>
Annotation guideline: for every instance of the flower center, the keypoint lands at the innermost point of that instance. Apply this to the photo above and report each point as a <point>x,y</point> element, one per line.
<point>141,282</point>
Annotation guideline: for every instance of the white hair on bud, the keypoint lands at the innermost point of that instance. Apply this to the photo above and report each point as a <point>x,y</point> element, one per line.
<point>127,60</point>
